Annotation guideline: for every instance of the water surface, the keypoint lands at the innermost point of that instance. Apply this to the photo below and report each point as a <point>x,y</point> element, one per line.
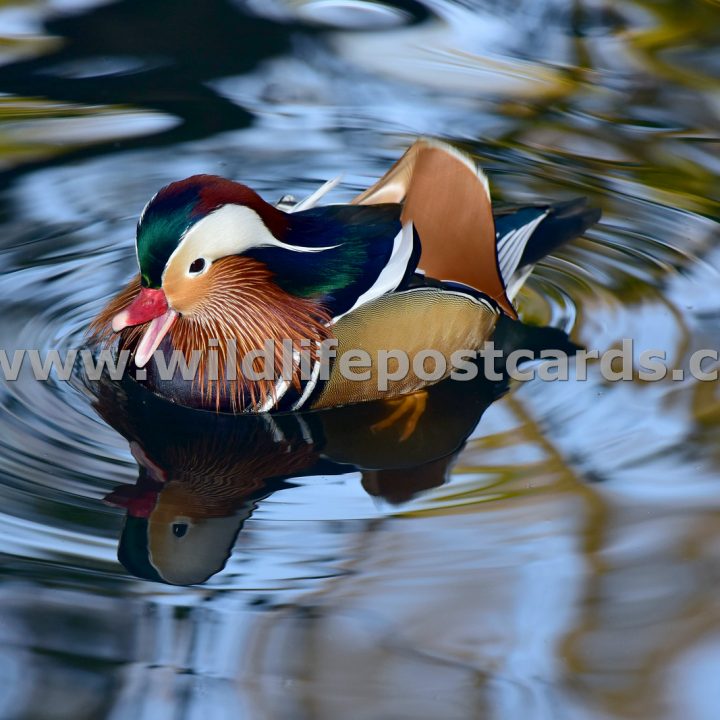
<point>567,567</point>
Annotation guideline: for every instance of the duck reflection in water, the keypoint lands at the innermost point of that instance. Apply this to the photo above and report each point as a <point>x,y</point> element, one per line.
<point>201,474</point>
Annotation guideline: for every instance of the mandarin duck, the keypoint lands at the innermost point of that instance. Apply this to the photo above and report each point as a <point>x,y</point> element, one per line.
<point>418,261</point>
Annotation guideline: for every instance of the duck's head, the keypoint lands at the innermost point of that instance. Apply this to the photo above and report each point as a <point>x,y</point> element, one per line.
<point>190,241</point>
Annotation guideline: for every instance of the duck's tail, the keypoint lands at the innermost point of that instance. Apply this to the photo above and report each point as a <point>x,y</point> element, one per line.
<point>526,235</point>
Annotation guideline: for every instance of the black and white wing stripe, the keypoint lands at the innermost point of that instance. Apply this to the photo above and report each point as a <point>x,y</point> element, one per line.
<point>511,244</point>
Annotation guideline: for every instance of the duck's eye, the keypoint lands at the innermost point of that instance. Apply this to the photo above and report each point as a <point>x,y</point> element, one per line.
<point>197,266</point>
<point>179,530</point>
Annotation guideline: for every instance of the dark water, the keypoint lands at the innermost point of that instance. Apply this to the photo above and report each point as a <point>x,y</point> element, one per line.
<point>564,562</point>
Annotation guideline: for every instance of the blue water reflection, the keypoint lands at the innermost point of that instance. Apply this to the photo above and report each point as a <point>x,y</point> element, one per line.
<point>568,565</point>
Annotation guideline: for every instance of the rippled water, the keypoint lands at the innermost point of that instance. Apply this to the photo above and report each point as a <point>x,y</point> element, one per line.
<point>566,567</point>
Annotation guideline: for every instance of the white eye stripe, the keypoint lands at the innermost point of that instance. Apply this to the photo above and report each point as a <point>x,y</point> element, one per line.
<point>229,230</point>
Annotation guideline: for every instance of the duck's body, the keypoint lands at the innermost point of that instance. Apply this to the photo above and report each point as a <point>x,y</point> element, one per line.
<point>416,263</point>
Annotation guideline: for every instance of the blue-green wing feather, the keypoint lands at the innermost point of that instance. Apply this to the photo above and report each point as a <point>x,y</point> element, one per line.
<point>358,242</point>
